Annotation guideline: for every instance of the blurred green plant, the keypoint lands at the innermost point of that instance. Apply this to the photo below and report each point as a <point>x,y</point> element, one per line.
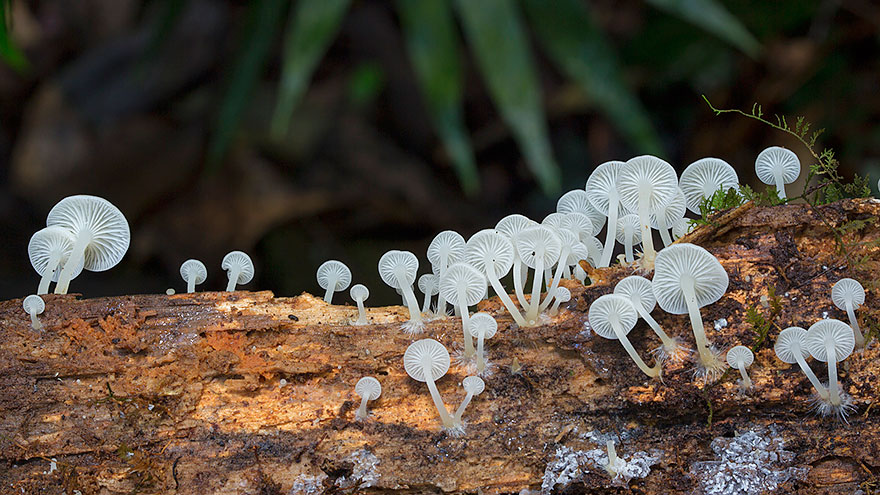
<point>9,51</point>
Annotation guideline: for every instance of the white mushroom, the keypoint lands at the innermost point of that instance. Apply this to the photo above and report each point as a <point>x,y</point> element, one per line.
<point>739,358</point>
<point>48,250</point>
<point>682,227</point>
<point>464,286</point>
<point>578,201</point>
<point>426,361</point>
<point>629,234</point>
<point>666,216</point>
<point>398,269</point>
<point>703,178</point>
<point>101,232</point>
<point>360,293</point>
<point>239,269</point>
<point>193,272</point>
<point>848,294</point>
<point>512,226</point>
<point>640,293</point>
<point>831,341</point>
<point>791,347</point>
<point>777,166</point>
<point>34,305</point>
<point>473,385</point>
<point>538,247</point>
<point>646,183</point>
<point>428,285</point>
<point>367,388</point>
<point>603,192</point>
<point>333,276</point>
<point>446,248</point>
<point>483,327</point>
<point>612,316</point>
<point>491,253</point>
<point>562,295</point>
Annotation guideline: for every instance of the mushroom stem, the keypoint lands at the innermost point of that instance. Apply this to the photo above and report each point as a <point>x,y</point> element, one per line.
<point>481,361</point>
<point>621,336</point>
<point>191,282</point>
<point>518,277</point>
<point>854,323</point>
<point>645,221</point>
<point>435,395</point>
<point>780,182</point>
<point>362,410</point>
<point>555,308</point>
<point>747,382</point>
<point>628,246</point>
<point>331,287</point>
<point>502,294</point>
<point>441,301</point>
<point>415,315</point>
<point>234,273</point>
<point>820,389</point>
<point>833,389</point>
<point>551,290</point>
<point>534,302</point>
<point>362,313</point>
<point>610,235</point>
<point>46,279</point>
<point>35,322</point>
<point>460,411</point>
<point>664,230</point>
<point>76,257</point>
<point>668,343</point>
<point>426,303</point>
<point>465,322</point>
<point>708,360</point>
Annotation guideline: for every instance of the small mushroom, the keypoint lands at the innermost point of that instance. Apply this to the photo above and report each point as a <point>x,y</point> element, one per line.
<point>777,166</point>
<point>741,357</point>
<point>428,285</point>
<point>848,294</point>
<point>831,341</point>
<point>666,215</point>
<point>426,361</point>
<point>464,286</point>
<point>398,269</point>
<point>646,183</point>
<point>512,226</point>
<point>333,276</point>
<point>239,269</point>
<point>360,293</point>
<point>562,295</point>
<point>446,248</point>
<point>193,272</point>
<point>615,464</point>
<point>34,305</point>
<point>629,234</point>
<point>682,227</point>
<point>473,385</point>
<point>612,316</point>
<point>569,243</point>
<point>603,192</point>
<point>640,293</point>
<point>491,253</point>
<point>49,249</point>
<point>704,178</point>
<point>100,231</point>
<point>791,347</point>
<point>483,327</point>
<point>367,388</point>
<point>577,201</point>
<point>539,248</point>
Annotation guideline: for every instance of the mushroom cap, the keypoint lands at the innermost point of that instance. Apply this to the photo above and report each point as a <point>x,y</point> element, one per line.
<point>790,341</point>
<point>670,212</point>
<point>359,291</point>
<point>740,356</point>
<point>489,247</point>
<point>97,217</point>
<point>847,289</point>
<point>834,331</point>
<point>579,224</point>
<point>449,242</point>
<point>679,260</point>
<point>539,238</point>
<point>777,157</point>
<point>512,225</point>
<point>33,303</point>
<point>554,220</point>
<point>601,182</point>
<point>428,283</point>
<point>703,178</point>
<point>649,172</point>
<point>483,323</point>
<point>594,247</point>
<point>473,385</point>
<point>575,200</point>
<point>395,260</point>
<point>334,269</point>
<point>194,267</point>
<point>635,287</point>
<point>242,260</point>
<point>579,251</point>
<point>602,309</point>
<point>412,359</point>
<point>51,240</point>
<point>629,220</point>
<point>682,227</point>
<point>473,282</point>
<point>563,294</point>
<point>368,387</point>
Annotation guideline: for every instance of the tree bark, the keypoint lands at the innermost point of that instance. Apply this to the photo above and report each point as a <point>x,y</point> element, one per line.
<point>245,392</point>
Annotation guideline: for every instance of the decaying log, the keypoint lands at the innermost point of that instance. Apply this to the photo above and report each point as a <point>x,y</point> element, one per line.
<point>248,393</point>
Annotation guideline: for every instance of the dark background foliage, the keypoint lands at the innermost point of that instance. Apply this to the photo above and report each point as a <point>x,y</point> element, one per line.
<point>171,109</point>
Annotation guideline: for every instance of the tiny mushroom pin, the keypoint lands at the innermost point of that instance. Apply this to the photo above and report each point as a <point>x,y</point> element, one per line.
<point>193,272</point>
<point>360,293</point>
<point>473,385</point>
<point>483,327</point>
<point>368,388</point>
<point>848,294</point>
<point>34,305</point>
<point>426,361</point>
<point>333,276</point>
<point>741,357</point>
<point>562,295</point>
<point>239,268</point>
<point>613,316</point>
<point>615,464</point>
<point>832,341</point>
<point>777,166</point>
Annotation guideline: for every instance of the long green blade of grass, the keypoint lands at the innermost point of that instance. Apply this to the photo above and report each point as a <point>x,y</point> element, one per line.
<point>429,29</point>
<point>9,52</point>
<point>578,47</point>
<point>312,27</point>
<point>260,32</point>
<point>495,32</point>
<point>713,17</point>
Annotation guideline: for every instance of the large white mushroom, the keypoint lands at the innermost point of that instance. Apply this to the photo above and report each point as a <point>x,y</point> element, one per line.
<point>705,177</point>
<point>831,341</point>
<point>512,226</point>
<point>427,361</point>
<point>777,166</point>
<point>463,285</point>
<point>446,248</point>
<point>539,247</point>
<point>645,184</point>
<point>603,192</point>
<point>491,252</point>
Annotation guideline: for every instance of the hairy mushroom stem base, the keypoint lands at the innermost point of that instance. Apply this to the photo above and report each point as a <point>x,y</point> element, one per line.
<point>49,273</point>
<point>610,235</point>
<point>83,238</point>
<point>854,323</point>
<point>445,418</point>
<point>821,390</point>
<point>670,347</point>
<point>708,359</point>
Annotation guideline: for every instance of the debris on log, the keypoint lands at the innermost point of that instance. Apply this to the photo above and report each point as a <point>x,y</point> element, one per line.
<point>248,393</point>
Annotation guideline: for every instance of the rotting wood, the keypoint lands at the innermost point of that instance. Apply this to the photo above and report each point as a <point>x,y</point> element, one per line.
<point>183,394</point>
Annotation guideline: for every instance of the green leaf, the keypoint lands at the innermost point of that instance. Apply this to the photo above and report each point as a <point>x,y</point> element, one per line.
<point>260,31</point>
<point>578,47</point>
<point>9,52</point>
<point>312,26</point>
<point>495,32</point>
<point>429,29</point>
<point>713,17</point>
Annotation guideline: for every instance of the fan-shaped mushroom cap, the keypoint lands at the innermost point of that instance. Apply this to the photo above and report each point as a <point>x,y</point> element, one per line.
<point>577,201</point>
<point>777,160</point>
<point>608,306</point>
<point>646,172</point>
<point>682,227</point>
<point>594,247</point>
<point>600,183</point>
<point>703,178</point>
<point>430,349</point>
<point>448,244</point>
<point>512,225</point>
<point>629,223</point>
<point>428,284</point>
<point>468,278</point>
<point>669,213</point>
<point>639,289</point>
<point>687,260</point>
<point>538,241</point>
<point>194,269</point>
<point>369,388</point>
<point>847,290</point>
<point>33,304</point>
<point>100,221</point>
<point>563,294</point>
<point>835,332</point>
<point>740,356</point>
<point>51,245</point>
<point>240,262</point>
<point>359,291</point>
<point>473,385</point>
<point>488,250</point>
<point>791,342</point>
<point>554,220</point>
<point>398,262</point>
<point>335,272</point>
<point>483,323</point>
<point>579,225</point>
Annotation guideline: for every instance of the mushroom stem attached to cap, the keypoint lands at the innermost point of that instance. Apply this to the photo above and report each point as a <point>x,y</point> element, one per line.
<point>708,359</point>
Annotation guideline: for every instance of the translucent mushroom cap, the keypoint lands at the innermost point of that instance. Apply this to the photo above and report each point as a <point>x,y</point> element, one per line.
<point>468,278</point>
<point>648,173</point>
<point>98,218</point>
<point>580,224</point>
<point>563,294</point>
<point>847,290</point>
<point>368,387</point>
<point>594,247</point>
<point>791,342</point>
<point>636,287</point>
<point>703,178</point>
<point>579,251</point>
<point>831,331</point>
<point>604,307</point>
<point>630,220</point>
<point>428,284</point>
<point>483,323</point>
<point>538,239</point>
<point>434,351</point>
<point>512,225</point>
<point>601,182</point>
<point>671,212</point>
<point>195,268</point>
<point>777,158</point>
<point>51,240</point>
<point>334,270</point>
<point>241,260</point>
<point>403,262</point>
<point>359,291</point>
<point>554,220</point>
<point>33,303</point>
<point>678,261</point>
<point>473,385</point>
<point>681,227</point>
<point>740,356</point>
<point>575,200</point>
<point>489,247</point>
<point>449,243</point>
